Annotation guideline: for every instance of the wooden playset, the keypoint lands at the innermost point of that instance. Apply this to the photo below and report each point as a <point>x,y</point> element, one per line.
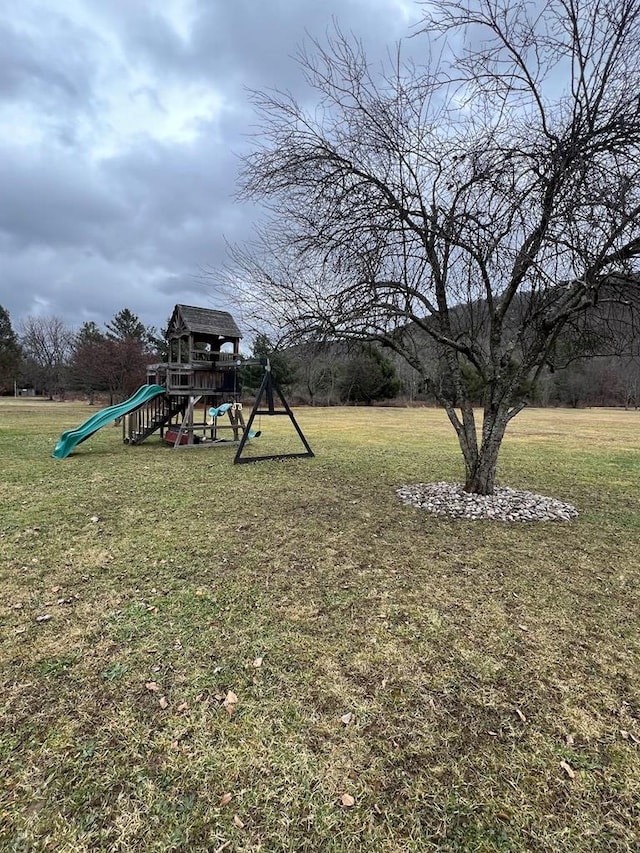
<point>192,400</point>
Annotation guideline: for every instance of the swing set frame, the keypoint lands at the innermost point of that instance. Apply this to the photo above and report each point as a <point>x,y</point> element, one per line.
<point>270,389</point>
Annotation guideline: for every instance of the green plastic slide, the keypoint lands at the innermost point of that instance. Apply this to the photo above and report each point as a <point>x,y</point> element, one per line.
<point>72,437</point>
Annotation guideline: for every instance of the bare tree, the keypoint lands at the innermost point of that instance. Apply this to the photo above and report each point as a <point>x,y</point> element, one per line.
<point>47,343</point>
<point>483,204</point>
<point>319,367</point>
<point>630,383</point>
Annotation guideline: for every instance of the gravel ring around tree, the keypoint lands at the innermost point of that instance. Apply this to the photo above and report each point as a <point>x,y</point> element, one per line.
<point>451,501</point>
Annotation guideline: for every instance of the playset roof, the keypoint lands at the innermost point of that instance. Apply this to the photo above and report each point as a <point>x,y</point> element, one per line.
<point>202,321</point>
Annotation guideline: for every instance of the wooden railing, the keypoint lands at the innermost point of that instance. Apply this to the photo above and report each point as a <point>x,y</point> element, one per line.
<point>198,356</point>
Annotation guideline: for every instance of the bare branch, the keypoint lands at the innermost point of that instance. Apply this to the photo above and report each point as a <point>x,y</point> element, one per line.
<point>479,206</point>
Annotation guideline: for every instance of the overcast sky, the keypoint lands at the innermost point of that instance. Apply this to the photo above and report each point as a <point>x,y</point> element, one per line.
<point>123,123</point>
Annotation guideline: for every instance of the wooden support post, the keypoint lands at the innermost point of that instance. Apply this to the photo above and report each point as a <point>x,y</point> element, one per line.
<point>187,421</point>
<point>237,421</point>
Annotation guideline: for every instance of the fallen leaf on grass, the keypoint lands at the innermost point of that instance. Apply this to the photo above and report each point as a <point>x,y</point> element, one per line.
<point>523,627</point>
<point>568,769</point>
<point>95,518</point>
<point>257,663</point>
<point>347,801</point>
<point>44,618</point>
<point>569,740</point>
<point>182,707</point>
<point>346,718</point>
<point>230,702</point>
<point>238,822</point>
<point>17,606</point>
<point>151,685</point>
<point>163,703</point>
<point>520,715</point>
<point>225,799</point>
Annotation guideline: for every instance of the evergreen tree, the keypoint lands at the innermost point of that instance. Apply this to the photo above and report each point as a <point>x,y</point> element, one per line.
<point>88,333</point>
<point>128,349</point>
<point>368,376</point>
<point>158,341</point>
<point>126,326</point>
<point>263,349</point>
<point>89,367</point>
<point>10,353</point>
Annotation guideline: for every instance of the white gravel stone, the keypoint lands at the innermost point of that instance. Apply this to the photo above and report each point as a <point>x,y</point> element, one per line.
<point>450,500</point>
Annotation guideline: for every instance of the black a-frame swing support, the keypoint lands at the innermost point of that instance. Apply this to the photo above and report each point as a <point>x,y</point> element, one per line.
<point>269,389</point>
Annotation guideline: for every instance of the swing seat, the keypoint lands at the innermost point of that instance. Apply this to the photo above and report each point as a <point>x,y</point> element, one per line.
<point>217,412</point>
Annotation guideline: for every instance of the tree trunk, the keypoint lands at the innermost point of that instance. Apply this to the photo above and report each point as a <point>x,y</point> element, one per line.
<point>481,463</point>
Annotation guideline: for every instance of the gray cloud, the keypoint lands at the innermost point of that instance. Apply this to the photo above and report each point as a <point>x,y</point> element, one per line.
<point>52,66</point>
<point>117,176</point>
<point>50,202</point>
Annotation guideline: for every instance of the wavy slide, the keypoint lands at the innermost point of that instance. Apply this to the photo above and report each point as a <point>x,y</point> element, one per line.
<point>72,437</point>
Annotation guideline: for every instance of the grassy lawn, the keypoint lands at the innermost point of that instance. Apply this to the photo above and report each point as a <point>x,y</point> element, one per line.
<point>281,656</point>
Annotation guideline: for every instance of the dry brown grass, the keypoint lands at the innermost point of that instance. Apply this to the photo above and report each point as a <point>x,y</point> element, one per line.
<point>474,657</point>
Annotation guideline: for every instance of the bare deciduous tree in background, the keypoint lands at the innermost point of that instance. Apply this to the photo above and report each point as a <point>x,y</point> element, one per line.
<point>484,202</point>
<point>47,344</point>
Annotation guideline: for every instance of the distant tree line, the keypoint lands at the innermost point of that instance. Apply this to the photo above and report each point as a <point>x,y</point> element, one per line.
<point>336,373</point>
<point>327,374</point>
<point>47,357</point>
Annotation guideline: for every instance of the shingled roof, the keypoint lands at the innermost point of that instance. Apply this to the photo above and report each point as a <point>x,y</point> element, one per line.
<point>204,321</point>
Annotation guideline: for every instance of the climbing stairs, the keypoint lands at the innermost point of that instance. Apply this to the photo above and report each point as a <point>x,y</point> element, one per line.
<point>154,416</point>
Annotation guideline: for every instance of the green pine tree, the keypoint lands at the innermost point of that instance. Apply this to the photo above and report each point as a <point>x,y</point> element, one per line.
<point>127,326</point>
<point>10,353</point>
